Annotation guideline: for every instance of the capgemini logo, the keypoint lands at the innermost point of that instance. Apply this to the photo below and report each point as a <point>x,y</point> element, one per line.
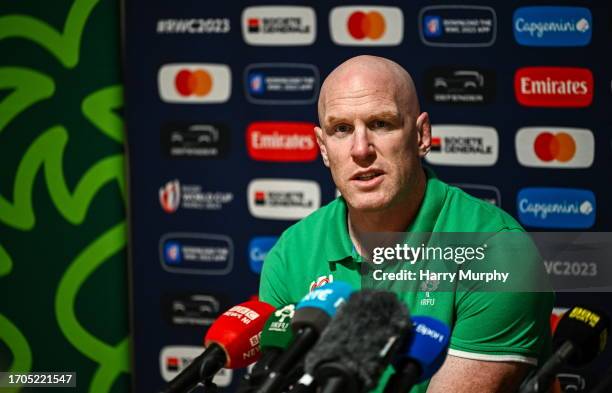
<point>170,196</point>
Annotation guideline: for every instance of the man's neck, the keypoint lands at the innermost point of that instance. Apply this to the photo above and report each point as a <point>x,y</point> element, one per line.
<point>396,218</point>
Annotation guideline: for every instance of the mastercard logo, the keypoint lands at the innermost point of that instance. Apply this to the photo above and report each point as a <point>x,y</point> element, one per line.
<point>555,147</point>
<point>371,25</point>
<point>194,83</point>
<point>560,147</point>
<point>366,26</point>
<point>198,83</point>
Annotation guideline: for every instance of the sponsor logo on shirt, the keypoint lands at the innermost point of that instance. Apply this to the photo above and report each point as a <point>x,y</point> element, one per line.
<point>194,83</point>
<point>553,87</point>
<point>275,25</point>
<point>193,26</point>
<point>366,26</point>
<point>282,141</point>
<point>258,250</point>
<point>487,193</point>
<point>463,145</point>
<point>555,147</point>
<point>196,140</point>
<point>283,199</point>
<point>191,309</point>
<point>458,25</point>
<point>175,358</point>
<point>320,281</point>
<point>556,207</point>
<point>281,83</point>
<point>552,26</point>
<point>460,85</point>
<point>196,253</point>
<point>174,195</point>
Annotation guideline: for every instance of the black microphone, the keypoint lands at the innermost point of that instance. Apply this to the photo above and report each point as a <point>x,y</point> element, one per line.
<point>312,315</point>
<point>581,335</point>
<point>359,342</point>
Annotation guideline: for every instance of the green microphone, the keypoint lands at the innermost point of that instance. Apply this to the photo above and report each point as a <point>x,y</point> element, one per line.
<point>276,336</point>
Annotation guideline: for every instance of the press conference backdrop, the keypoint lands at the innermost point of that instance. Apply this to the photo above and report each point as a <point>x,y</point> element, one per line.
<point>221,104</point>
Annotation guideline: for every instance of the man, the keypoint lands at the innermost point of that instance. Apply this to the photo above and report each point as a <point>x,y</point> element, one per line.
<point>373,136</point>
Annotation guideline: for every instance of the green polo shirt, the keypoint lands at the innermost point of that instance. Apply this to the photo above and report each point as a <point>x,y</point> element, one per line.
<point>486,325</point>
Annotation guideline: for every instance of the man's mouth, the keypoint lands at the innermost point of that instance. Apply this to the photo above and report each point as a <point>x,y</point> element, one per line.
<point>367,175</point>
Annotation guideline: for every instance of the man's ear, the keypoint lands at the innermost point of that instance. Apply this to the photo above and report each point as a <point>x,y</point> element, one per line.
<point>319,134</point>
<point>423,134</point>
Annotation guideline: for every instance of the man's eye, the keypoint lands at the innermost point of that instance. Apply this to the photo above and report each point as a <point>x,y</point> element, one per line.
<point>379,124</point>
<point>342,128</point>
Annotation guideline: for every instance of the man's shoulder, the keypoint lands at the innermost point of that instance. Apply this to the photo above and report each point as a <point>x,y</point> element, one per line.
<point>475,214</point>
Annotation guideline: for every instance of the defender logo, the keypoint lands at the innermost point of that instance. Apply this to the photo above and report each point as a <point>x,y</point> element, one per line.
<point>199,140</point>
<point>460,85</point>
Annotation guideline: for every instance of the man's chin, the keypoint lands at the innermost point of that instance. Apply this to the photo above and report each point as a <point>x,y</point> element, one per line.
<point>368,205</point>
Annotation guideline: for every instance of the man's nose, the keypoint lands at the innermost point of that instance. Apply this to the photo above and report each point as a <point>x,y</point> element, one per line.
<point>362,148</point>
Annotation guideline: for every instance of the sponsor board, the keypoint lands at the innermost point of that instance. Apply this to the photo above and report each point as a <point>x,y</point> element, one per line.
<point>549,207</point>
<point>195,140</point>
<point>555,147</point>
<point>554,87</point>
<point>194,83</point>
<point>464,85</point>
<point>552,26</point>
<point>281,83</point>
<point>487,193</point>
<point>192,309</point>
<point>279,25</point>
<point>193,26</point>
<point>258,250</point>
<point>366,25</point>
<point>283,199</point>
<point>463,145</point>
<point>458,25</point>
<point>196,253</point>
<point>281,141</point>
<point>175,358</point>
<point>174,195</point>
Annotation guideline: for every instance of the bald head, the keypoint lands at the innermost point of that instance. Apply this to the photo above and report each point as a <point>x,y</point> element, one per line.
<point>365,72</point>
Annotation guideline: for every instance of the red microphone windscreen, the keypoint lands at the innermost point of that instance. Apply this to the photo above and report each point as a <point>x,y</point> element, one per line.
<point>238,331</point>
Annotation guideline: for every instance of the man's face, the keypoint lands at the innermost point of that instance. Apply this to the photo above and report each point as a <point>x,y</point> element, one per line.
<point>370,144</point>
